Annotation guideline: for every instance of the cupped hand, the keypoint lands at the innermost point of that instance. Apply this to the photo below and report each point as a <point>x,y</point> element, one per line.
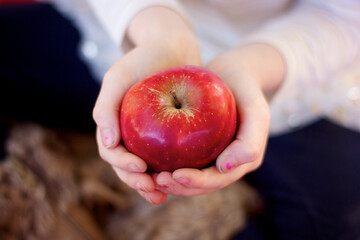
<point>249,79</point>
<point>155,50</point>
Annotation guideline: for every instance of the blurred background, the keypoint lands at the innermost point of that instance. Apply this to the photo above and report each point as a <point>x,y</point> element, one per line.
<point>48,76</point>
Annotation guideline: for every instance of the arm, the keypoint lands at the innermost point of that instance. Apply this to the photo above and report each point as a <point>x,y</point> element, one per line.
<point>318,40</point>
<point>116,16</point>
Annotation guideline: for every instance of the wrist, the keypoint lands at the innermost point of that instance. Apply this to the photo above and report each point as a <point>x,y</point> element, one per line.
<point>262,62</point>
<point>265,63</point>
<point>161,26</point>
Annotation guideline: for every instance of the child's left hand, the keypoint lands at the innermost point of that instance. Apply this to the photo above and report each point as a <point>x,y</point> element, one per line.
<point>246,152</point>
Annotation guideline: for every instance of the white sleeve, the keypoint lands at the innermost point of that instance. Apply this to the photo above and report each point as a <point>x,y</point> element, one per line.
<point>317,39</point>
<point>116,15</point>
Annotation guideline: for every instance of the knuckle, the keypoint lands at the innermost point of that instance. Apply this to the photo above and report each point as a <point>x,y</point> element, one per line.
<point>116,74</point>
<point>96,114</point>
<point>252,153</point>
<point>108,76</point>
<point>100,112</point>
<point>101,116</point>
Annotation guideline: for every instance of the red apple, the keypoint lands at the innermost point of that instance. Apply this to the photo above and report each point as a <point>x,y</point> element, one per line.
<point>182,117</point>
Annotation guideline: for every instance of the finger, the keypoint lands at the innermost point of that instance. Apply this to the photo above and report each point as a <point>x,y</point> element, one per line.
<point>254,120</point>
<point>107,107</point>
<point>138,181</point>
<point>250,142</point>
<point>167,184</point>
<point>120,158</point>
<point>210,179</point>
<point>155,197</point>
<point>144,185</point>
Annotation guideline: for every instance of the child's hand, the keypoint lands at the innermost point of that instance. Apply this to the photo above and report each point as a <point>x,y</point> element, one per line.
<point>162,40</point>
<point>250,72</point>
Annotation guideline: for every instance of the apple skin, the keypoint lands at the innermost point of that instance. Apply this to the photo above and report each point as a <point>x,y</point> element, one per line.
<point>168,138</point>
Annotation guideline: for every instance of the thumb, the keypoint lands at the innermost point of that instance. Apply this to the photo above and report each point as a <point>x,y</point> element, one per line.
<point>254,120</point>
<point>122,74</point>
<point>106,112</point>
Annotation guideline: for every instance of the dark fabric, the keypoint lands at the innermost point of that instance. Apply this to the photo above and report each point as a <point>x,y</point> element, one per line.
<point>42,78</point>
<point>310,180</point>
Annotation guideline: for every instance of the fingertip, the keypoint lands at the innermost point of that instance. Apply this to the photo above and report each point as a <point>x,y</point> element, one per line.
<point>106,113</point>
<point>157,197</point>
<point>236,154</point>
<point>189,177</point>
<point>136,168</point>
<point>227,160</point>
<point>205,179</point>
<point>154,197</point>
<point>162,178</point>
<point>187,172</point>
<point>225,164</point>
<point>180,173</point>
<point>108,137</point>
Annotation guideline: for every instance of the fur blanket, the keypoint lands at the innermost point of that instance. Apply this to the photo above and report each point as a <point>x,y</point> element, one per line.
<point>53,185</point>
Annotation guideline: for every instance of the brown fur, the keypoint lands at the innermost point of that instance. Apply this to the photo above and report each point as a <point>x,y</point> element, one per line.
<point>54,186</point>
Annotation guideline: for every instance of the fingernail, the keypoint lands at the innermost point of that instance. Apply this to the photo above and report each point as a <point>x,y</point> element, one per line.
<point>133,168</point>
<point>227,166</point>
<point>182,180</point>
<point>108,137</point>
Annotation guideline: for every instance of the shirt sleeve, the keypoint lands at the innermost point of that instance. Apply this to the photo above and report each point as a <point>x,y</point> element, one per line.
<point>116,15</point>
<point>317,40</point>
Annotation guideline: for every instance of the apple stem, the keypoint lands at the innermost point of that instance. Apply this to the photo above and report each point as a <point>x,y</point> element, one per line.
<point>177,102</point>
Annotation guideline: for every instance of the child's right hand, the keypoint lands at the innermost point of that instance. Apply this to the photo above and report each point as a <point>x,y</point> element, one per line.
<point>162,40</point>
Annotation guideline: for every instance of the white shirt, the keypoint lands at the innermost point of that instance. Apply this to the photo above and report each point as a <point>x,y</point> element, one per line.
<point>319,40</point>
